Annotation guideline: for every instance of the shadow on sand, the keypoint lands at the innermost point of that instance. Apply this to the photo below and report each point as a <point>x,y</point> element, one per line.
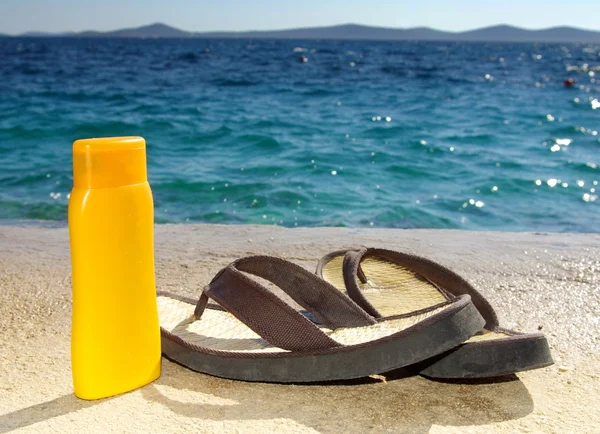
<point>43,411</point>
<point>402,403</point>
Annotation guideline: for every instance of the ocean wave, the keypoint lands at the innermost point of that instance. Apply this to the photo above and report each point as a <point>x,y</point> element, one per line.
<point>15,210</point>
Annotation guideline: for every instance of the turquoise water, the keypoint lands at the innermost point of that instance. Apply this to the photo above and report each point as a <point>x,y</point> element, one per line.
<point>382,134</point>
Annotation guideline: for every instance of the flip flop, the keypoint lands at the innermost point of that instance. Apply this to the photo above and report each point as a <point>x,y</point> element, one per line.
<point>254,335</point>
<point>385,282</point>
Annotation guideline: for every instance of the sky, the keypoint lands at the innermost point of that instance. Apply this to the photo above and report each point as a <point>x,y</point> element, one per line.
<point>17,16</point>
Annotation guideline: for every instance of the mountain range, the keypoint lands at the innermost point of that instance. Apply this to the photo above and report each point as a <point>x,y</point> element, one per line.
<point>501,33</point>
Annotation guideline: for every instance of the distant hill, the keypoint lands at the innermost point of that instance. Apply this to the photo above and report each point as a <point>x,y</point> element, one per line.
<point>515,34</point>
<point>502,33</point>
<point>156,30</point>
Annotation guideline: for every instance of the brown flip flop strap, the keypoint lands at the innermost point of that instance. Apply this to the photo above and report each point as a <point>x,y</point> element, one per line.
<point>434,272</point>
<point>330,307</point>
<point>269,316</point>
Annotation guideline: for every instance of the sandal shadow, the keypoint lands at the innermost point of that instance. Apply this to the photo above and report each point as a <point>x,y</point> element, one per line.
<point>397,401</point>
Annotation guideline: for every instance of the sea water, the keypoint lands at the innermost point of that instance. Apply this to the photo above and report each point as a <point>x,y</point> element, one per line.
<point>356,133</point>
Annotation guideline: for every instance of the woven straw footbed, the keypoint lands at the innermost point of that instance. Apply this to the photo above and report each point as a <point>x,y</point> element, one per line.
<point>393,289</point>
<point>220,330</point>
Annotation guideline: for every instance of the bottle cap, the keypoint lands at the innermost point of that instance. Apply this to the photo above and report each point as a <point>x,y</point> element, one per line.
<point>109,162</point>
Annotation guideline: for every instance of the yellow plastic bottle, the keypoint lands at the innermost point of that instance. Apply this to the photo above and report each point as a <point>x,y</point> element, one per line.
<point>115,337</point>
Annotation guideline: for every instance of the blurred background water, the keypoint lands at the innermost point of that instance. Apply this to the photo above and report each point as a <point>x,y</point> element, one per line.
<point>383,134</point>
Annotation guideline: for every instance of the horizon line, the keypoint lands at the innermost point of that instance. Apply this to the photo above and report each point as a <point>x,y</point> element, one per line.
<point>63,32</point>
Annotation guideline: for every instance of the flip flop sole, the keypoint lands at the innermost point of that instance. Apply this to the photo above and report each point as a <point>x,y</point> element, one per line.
<point>492,358</point>
<point>414,344</point>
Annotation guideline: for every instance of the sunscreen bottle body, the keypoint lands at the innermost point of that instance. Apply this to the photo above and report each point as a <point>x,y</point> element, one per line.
<point>115,337</point>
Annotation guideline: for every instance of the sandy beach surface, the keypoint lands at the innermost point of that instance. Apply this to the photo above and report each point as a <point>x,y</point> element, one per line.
<point>547,282</point>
